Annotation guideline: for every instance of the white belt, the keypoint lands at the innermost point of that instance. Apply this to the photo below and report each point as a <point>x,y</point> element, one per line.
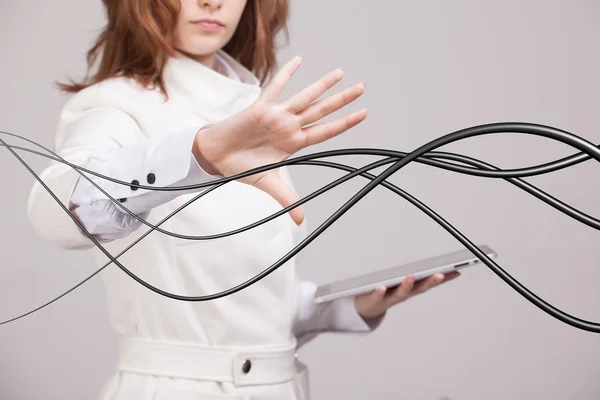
<point>201,362</point>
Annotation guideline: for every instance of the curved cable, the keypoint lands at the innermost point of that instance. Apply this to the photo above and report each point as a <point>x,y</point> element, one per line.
<point>431,158</point>
<point>588,151</point>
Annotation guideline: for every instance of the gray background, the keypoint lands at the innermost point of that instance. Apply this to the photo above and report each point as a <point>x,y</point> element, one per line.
<point>431,67</point>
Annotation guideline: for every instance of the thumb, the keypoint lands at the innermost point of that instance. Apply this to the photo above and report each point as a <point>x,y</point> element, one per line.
<point>272,184</point>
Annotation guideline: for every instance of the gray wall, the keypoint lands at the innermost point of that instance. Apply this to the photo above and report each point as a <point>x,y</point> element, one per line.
<point>432,67</point>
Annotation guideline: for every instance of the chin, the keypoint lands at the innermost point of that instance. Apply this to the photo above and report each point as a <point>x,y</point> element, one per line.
<point>205,46</point>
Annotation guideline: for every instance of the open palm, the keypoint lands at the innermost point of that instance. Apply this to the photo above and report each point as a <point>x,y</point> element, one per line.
<point>267,132</point>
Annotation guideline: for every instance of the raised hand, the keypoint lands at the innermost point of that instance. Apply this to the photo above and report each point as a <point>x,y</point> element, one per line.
<point>268,132</point>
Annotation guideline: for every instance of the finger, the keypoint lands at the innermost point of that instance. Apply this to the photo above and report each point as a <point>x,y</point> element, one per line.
<point>433,281</point>
<point>371,304</point>
<point>402,292</point>
<point>426,284</point>
<point>272,184</point>
<point>321,132</point>
<point>306,97</point>
<point>375,297</point>
<point>450,276</point>
<point>278,83</point>
<point>323,108</point>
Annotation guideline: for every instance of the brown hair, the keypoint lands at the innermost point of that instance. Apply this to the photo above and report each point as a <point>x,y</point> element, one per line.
<point>137,40</point>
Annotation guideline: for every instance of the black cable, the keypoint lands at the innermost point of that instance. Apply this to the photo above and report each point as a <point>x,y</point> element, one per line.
<point>432,158</point>
<point>417,155</point>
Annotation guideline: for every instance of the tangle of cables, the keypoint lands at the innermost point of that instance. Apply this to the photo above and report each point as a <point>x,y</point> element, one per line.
<point>396,160</point>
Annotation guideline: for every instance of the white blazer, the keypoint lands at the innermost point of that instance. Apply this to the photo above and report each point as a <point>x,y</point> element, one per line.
<point>240,346</point>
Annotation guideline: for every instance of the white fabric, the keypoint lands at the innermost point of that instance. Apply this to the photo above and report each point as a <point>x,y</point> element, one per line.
<point>201,362</point>
<point>162,156</point>
<point>122,130</point>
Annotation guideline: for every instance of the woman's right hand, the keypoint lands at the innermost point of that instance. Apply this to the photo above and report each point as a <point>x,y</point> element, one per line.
<point>267,132</point>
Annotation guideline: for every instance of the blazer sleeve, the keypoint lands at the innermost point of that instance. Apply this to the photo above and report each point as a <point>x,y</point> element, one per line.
<point>105,218</point>
<point>109,142</point>
<point>335,316</point>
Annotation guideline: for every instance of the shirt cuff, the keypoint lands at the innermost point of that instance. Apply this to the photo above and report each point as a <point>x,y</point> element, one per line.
<point>165,161</point>
<point>106,221</point>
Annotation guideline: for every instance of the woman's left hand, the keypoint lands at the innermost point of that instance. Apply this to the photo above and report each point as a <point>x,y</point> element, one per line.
<point>375,303</point>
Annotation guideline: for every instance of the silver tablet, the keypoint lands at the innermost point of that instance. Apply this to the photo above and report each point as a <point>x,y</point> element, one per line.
<point>393,276</point>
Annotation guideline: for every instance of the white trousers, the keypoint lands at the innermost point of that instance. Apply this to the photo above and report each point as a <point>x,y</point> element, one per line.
<point>165,370</point>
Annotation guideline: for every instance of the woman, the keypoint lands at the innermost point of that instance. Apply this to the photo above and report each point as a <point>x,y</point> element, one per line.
<point>176,100</point>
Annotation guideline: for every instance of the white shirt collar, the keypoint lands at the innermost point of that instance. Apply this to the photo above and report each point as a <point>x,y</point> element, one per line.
<point>208,93</point>
<point>223,67</point>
